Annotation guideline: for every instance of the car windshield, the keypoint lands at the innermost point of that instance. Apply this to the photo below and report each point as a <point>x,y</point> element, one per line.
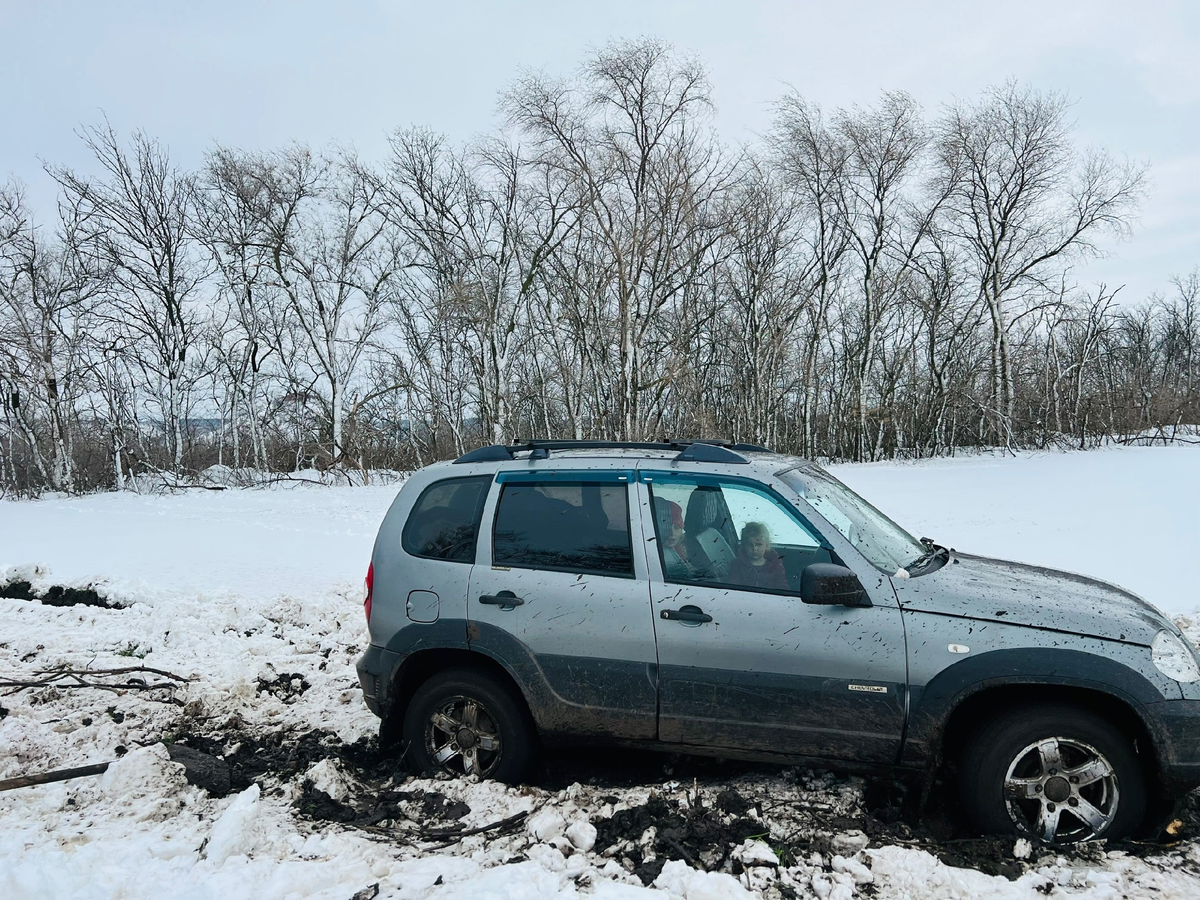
<point>884,543</point>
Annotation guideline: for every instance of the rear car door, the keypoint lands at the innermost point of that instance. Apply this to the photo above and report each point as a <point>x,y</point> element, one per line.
<point>559,593</point>
<point>743,662</point>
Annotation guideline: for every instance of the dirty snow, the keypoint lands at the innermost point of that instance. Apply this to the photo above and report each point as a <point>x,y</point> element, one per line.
<point>254,595</point>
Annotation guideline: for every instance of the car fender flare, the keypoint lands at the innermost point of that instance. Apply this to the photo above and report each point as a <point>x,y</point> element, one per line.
<point>931,706</point>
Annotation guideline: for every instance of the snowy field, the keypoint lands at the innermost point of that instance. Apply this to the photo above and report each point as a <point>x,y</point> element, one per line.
<point>253,596</point>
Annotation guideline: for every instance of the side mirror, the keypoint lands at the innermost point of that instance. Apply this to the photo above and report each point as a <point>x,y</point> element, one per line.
<point>828,584</point>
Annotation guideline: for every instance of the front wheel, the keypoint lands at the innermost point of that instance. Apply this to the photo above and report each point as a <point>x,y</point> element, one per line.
<point>465,723</point>
<point>1054,773</point>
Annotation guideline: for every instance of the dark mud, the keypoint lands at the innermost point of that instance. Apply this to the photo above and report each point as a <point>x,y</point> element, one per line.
<point>201,769</point>
<point>287,754</point>
<point>430,814</point>
<point>718,817</point>
<point>702,836</point>
<point>56,595</point>
<point>286,686</point>
<point>17,590</point>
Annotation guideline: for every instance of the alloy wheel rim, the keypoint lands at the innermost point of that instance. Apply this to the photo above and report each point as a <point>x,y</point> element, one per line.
<point>1060,790</point>
<point>462,737</point>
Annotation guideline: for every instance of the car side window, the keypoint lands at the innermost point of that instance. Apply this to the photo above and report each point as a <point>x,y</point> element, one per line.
<point>564,526</point>
<point>444,523</point>
<point>729,534</point>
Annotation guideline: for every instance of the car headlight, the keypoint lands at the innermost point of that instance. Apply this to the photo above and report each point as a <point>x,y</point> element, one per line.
<point>1174,658</point>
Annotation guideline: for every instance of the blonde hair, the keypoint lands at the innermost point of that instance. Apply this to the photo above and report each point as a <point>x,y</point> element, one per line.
<point>752,530</point>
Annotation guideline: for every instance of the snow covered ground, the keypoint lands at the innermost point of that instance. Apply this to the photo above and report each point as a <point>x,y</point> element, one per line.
<point>255,596</point>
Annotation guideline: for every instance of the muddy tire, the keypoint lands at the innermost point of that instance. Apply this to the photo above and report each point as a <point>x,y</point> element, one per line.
<point>1053,773</point>
<point>463,721</point>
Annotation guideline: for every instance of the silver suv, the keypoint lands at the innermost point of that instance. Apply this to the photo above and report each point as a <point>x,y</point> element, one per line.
<point>726,600</point>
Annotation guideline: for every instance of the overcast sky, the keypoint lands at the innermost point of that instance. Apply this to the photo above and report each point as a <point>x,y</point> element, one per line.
<point>258,74</point>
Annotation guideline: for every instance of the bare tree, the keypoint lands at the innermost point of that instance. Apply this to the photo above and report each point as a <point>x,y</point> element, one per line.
<point>763,283</point>
<point>47,291</point>
<point>333,259</point>
<point>1024,202</point>
<point>139,215</point>
<point>477,236</point>
<point>631,133</point>
<point>863,285</point>
<point>885,221</point>
<point>813,164</point>
<point>233,213</point>
<point>950,324</point>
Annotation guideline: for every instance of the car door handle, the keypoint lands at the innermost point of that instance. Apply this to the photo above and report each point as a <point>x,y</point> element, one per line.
<point>692,615</point>
<point>504,600</point>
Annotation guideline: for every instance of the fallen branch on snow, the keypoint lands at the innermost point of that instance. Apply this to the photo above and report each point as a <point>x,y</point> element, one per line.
<point>447,836</point>
<point>48,777</point>
<point>436,834</point>
<point>65,678</point>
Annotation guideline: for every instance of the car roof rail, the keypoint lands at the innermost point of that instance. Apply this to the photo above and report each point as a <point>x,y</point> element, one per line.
<point>697,450</point>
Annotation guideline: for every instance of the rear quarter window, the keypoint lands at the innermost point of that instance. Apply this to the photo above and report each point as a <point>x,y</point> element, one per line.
<point>444,522</point>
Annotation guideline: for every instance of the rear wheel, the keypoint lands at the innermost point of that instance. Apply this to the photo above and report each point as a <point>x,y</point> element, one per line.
<point>463,722</point>
<point>1055,773</point>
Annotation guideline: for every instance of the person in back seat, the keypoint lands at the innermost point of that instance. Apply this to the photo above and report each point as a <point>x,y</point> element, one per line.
<point>675,555</point>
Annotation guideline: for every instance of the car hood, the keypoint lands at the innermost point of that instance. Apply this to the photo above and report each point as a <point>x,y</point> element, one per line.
<point>995,590</point>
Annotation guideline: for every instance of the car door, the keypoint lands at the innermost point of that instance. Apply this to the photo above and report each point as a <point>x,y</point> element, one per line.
<point>744,663</point>
<point>559,591</point>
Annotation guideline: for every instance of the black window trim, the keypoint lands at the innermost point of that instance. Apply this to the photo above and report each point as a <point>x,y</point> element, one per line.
<point>588,477</point>
<point>477,515</point>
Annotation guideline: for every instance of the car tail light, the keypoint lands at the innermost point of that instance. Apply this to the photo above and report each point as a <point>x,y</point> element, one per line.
<point>370,589</point>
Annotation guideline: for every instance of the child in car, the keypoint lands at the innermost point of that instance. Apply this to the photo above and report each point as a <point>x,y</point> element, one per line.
<point>676,564</point>
<point>756,564</point>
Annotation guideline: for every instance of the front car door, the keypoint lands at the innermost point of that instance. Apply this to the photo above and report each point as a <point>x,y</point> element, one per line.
<point>559,593</point>
<point>743,662</point>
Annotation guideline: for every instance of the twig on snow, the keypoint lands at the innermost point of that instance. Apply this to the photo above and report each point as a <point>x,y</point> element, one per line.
<point>66,678</point>
<point>449,837</point>
<point>442,833</point>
